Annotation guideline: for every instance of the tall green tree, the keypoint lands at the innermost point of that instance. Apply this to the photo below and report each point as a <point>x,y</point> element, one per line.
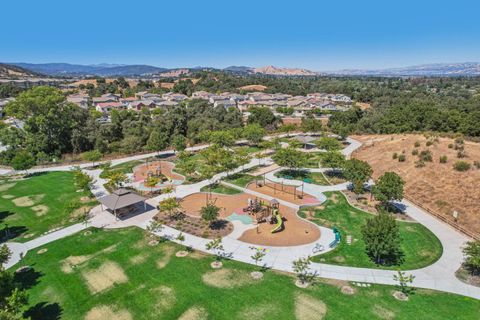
<point>388,187</point>
<point>290,158</point>
<point>254,133</point>
<point>358,172</point>
<point>23,160</point>
<point>382,239</point>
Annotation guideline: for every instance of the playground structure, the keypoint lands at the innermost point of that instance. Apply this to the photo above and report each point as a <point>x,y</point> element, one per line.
<point>162,171</point>
<point>281,187</point>
<point>231,209</point>
<point>264,212</point>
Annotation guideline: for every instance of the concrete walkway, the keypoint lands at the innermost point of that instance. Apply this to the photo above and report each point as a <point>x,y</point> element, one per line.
<point>438,276</point>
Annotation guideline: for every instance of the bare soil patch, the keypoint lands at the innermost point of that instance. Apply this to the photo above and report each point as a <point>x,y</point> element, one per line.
<point>165,297</point>
<point>139,259</point>
<point>40,210</point>
<point>107,312</point>
<point>168,253</point>
<point>6,186</point>
<point>436,186</point>
<point>227,278</point>
<point>309,308</point>
<point>8,196</point>
<point>194,313</point>
<point>348,290</point>
<point>68,264</point>
<point>105,277</point>
<point>253,87</point>
<point>382,312</point>
<point>260,311</point>
<point>27,201</point>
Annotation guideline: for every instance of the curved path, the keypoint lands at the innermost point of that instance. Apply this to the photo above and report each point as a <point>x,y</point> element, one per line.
<point>438,276</point>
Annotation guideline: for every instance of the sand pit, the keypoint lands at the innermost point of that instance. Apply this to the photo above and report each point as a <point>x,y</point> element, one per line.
<point>227,278</point>
<point>309,308</point>
<point>194,313</point>
<point>6,186</point>
<point>8,196</point>
<point>140,172</point>
<point>27,201</point>
<point>437,187</point>
<point>296,232</point>
<point>106,312</point>
<point>40,210</point>
<point>105,277</point>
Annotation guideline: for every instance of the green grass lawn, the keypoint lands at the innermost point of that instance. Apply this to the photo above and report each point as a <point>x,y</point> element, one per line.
<point>313,159</point>
<point>419,245</point>
<point>152,283</point>
<point>315,177</point>
<point>126,167</point>
<point>219,188</point>
<point>40,203</point>
<point>240,179</point>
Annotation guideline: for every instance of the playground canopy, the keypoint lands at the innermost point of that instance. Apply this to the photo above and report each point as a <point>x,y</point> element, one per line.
<point>121,198</point>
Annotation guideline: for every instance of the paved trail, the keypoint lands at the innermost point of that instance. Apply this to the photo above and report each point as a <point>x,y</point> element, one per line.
<point>438,276</point>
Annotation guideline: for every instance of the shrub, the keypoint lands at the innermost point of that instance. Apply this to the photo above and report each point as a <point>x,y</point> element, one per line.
<point>443,159</point>
<point>429,143</point>
<point>416,144</point>
<point>419,164</point>
<point>459,141</point>
<point>459,147</point>
<point>450,145</point>
<point>395,156</point>
<point>462,166</point>
<point>414,152</point>
<point>461,154</point>
<point>401,158</point>
<point>426,155</point>
<point>476,164</point>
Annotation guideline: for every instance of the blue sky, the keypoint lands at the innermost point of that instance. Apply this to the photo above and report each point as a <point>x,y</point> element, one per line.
<point>318,35</point>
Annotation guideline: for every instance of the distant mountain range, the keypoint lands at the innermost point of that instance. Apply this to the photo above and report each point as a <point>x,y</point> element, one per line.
<point>103,70</point>
<point>110,70</point>
<point>10,71</point>
<point>436,69</point>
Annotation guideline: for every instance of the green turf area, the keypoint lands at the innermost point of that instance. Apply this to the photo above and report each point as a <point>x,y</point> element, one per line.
<point>240,179</point>
<point>313,159</point>
<point>302,175</point>
<point>152,283</point>
<point>126,167</point>
<point>219,188</point>
<point>40,203</point>
<point>419,245</point>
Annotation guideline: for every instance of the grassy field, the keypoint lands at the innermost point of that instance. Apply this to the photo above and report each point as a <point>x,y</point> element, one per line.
<point>125,167</point>
<point>218,188</point>
<point>316,177</point>
<point>240,179</point>
<point>420,246</point>
<point>115,274</point>
<point>40,203</point>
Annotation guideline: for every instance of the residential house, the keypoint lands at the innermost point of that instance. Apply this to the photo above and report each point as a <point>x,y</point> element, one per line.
<point>81,100</point>
<point>227,103</point>
<point>138,105</point>
<point>170,96</point>
<point>106,107</point>
<point>201,95</point>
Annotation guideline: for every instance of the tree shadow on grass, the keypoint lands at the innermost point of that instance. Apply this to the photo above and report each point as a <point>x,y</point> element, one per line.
<point>394,259</point>
<point>44,311</point>
<point>13,231</point>
<point>28,278</point>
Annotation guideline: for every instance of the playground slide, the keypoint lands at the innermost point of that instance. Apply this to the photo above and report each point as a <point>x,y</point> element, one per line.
<point>279,224</point>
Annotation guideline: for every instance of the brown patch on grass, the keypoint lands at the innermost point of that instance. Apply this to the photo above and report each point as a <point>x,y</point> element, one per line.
<point>165,297</point>
<point>309,308</point>
<point>260,311</point>
<point>27,201</point>
<point>139,259</point>
<point>382,312</point>
<point>6,186</point>
<point>84,199</point>
<point>8,196</point>
<point>339,259</point>
<point>79,212</point>
<point>105,277</point>
<point>227,278</point>
<point>40,210</point>
<point>168,252</point>
<point>197,255</point>
<point>334,282</point>
<point>333,197</point>
<point>107,312</point>
<point>194,313</point>
<point>70,262</point>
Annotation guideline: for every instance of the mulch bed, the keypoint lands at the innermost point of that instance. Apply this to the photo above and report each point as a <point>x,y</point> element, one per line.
<point>196,226</point>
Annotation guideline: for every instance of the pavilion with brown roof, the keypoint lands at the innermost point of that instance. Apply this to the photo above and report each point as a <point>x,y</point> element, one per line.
<point>121,199</point>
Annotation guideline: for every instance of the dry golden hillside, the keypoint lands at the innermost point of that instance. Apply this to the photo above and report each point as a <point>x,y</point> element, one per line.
<point>437,186</point>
